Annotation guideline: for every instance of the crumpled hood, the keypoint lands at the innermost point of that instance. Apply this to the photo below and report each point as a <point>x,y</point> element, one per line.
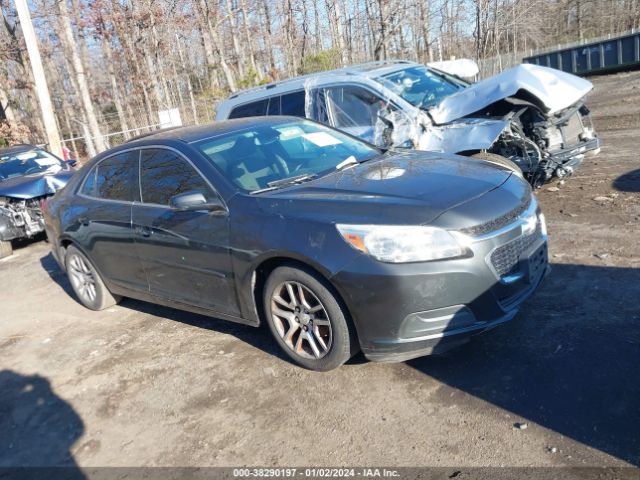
<point>31,186</point>
<point>554,89</point>
<point>401,188</point>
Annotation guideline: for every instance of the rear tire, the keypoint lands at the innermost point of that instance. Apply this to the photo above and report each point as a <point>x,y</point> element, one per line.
<point>498,160</point>
<point>6,249</point>
<point>307,319</point>
<point>86,282</point>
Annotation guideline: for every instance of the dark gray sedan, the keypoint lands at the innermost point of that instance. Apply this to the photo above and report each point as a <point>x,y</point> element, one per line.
<point>337,245</point>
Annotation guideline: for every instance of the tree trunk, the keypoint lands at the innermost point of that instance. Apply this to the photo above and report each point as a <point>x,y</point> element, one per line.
<point>192,100</point>
<point>247,37</point>
<point>71,49</point>
<point>124,126</point>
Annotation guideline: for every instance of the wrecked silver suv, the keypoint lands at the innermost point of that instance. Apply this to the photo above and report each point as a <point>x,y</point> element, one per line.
<point>28,175</point>
<point>529,118</point>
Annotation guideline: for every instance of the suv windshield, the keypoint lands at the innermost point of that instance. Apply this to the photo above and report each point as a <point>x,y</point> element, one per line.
<point>419,86</point>
<point>28,162</point>
<point>267,156</point>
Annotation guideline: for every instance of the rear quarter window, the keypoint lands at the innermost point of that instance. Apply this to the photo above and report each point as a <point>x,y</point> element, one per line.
<point>253,109</point>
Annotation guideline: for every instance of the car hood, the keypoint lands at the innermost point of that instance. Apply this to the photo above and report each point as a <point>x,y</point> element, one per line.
<point>400,188</point>
<point>553,90</point>
<point>31,186</point>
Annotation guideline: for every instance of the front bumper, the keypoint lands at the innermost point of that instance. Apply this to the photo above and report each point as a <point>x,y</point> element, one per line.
<point>572,156</point>
<point>20,222</point>
<point>403,311</point>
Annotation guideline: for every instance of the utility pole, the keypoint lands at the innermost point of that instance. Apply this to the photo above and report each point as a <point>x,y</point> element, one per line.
<point>46,107</point>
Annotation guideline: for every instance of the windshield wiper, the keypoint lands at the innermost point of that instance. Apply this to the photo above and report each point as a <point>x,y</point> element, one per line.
<point>348,162</point>
<point>275,184</point>
<point>290,180</point>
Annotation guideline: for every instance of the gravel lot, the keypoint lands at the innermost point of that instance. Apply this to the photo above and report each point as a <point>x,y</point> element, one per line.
<point>140,384</point>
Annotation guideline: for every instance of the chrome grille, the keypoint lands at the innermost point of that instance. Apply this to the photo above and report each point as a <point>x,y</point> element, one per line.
<point>506,257</point>
<point>499,222</point>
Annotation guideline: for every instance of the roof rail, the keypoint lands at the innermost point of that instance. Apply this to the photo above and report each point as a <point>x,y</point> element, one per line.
<point>348,70</point>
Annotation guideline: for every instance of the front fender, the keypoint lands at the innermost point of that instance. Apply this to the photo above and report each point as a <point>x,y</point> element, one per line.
<point>464,135</point>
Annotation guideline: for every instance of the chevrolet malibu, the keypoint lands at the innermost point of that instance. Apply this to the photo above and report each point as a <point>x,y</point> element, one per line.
<point>337,245</point>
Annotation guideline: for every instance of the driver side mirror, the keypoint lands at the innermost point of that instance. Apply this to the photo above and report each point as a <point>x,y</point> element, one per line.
<point>191,201</point>
<point>71,162</point>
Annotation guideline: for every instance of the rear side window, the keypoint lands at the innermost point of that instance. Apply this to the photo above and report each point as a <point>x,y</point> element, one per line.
<point>114,178</point>
<point>164,173</point>
<point>292,104</point>
<point>254,109</point>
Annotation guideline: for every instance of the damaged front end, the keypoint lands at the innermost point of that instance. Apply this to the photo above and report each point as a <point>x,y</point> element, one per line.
<point>548,146</point>
<point>20,218</point>
<point>534,116</point>
<point>28,177</point>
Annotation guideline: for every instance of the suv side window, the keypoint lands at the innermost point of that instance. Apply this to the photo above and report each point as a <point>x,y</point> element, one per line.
<point>114,178</point>
<point>293,104</point>
<point>164,173</point>
<point>274,106</point>
<point>253,109</point>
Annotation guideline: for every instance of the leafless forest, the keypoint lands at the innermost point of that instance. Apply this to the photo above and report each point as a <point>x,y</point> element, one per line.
<point>113,64</point>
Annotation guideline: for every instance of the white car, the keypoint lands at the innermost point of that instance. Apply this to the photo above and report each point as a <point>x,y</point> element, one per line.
<point>529,118</point>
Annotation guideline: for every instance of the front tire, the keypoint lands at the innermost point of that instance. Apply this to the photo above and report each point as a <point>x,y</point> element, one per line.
<point>86,282</point>
<point>307,319</point>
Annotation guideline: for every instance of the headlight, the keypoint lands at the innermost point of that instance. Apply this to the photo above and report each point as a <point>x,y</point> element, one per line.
<point>400,244</point>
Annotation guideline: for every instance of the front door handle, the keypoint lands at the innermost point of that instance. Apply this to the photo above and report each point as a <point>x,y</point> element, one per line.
<point>144,231</point>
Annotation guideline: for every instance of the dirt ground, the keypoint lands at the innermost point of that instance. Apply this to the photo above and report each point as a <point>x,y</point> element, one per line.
<point>140,384</point>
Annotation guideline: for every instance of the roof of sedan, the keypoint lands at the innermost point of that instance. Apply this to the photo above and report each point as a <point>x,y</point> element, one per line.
<point>200,132</point>
<point>16,149</point>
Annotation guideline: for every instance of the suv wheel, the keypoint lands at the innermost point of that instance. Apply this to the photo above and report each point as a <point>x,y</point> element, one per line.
<point>307,319</point>
<point>86,283</point>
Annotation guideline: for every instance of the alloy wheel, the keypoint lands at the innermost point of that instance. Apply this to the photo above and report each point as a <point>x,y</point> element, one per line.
<point>82,278</point>
<point>301,320</point>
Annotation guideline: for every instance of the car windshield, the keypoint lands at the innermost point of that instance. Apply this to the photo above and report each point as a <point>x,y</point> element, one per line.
<point>419,86</point>
<point>273,156</point>
<point>28,162</point>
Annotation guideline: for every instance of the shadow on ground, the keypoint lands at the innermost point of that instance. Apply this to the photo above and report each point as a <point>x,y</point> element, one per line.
<point>38,427</point>
<point>257,337</point>
<point>628,182</point>
<point>568,362</point>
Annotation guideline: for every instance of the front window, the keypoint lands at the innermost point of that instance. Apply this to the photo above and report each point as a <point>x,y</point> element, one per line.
<point>420,86</point>
<point>354,107</point>
<point>164,174</point>
<point>267,155</point>
<point>27,163</point>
